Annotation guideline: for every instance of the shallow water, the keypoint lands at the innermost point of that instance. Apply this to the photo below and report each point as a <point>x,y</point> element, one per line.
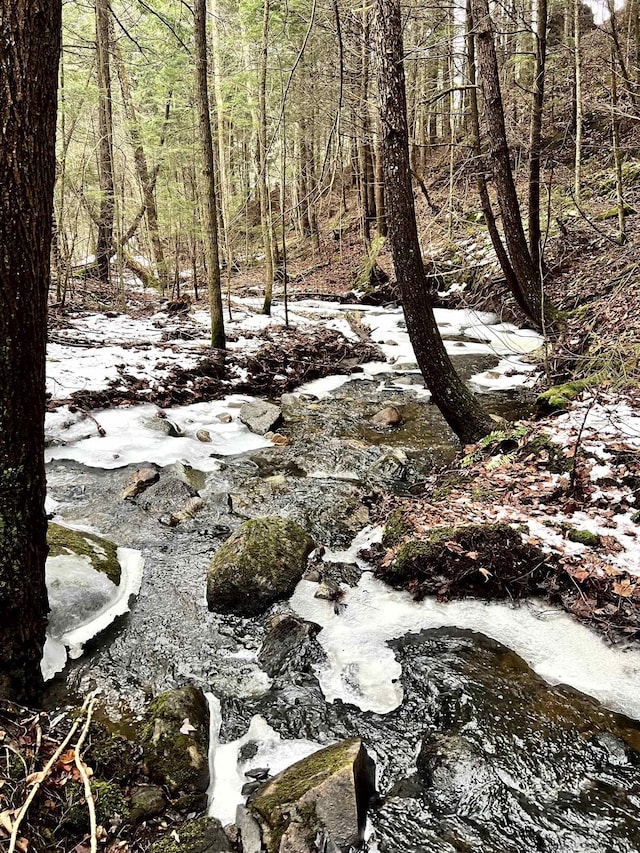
<point>478,753</point>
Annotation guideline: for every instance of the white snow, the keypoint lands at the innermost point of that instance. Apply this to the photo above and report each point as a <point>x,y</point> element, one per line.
<point>227,770</point>
<point>362,669</point>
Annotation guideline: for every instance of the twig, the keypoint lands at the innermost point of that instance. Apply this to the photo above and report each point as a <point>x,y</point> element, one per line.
<point>88,793</point>
<point>42,776</point>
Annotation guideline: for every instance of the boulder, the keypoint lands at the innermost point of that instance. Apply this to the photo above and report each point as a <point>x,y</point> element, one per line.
<point>259,564</point>
<point>175,740</point>
<point>260,416</point>
<point>325,796</point>
<point>146,801</point>
<point>204,835</point>
<point>101,553</point>
<point>164,426</point>
<point>289,646</point>
<point>387,417</point>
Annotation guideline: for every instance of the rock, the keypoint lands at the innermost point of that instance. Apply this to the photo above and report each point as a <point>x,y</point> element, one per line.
<point>349,573</point>
<point>167,496</point>
<point>313,576</point>
<point>164,426</point>
<point>455,772</point>
<point>101,553</point>
<point>224,418</point>
<point>259,564</point>
<point>192,507</point>
<point>328,590</point>
<point>325,794</point>
<point>204,835</point>
<point>139,481</point>
<point>249,831</point>
<point>171,757</point>
<point>390,466</point>
<point>290,645</point>
<point>146,801</point>
<point>203,435</point>
<point>387,417</point>
<point>259,416</point>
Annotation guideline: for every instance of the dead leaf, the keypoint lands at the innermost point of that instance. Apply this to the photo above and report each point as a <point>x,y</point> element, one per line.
<point>35,778</point>
<point>472,555</point>
<point>454,547</point>
<point>485,573</point>
<point>186,727</point>
<point>624,588</point>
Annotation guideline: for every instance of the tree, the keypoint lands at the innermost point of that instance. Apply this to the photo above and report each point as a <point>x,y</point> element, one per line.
<point>458,405</point>
<point>104,250</point>
<point>29,53</point>
<point>208,174</point>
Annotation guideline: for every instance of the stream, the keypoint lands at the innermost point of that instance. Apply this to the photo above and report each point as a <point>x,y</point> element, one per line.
<point>493,728</point>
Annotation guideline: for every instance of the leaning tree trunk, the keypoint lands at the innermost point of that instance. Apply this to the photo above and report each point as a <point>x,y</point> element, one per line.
<point>29,51</point>
<point>458,405</point>
<point>104,247</point>
<point>209,184</point>
<point>529,293</point>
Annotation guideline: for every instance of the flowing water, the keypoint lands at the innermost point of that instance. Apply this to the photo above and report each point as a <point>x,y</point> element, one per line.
<point>475,751</point>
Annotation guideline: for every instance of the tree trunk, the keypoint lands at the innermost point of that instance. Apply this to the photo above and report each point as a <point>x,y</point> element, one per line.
<point>577,165</point>
<point>529,293</point>
<point>263,179</point>
<point>208,176</point>
<point>459,407</point>
<point>104,247</point>
<point>142,169</point>
<point>535,136</point>
<point>29,51</point>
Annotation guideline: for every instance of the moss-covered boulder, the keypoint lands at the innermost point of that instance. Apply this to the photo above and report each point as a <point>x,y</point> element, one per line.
<point>204,835</point>
<point>326,794</point>
<point>559,397</point>
<point>102,554</point>
<point>259,564</point>
<point>175,740</point>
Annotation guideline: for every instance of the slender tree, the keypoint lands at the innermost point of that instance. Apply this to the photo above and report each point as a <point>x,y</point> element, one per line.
<point>218,340</point>
<point>104,248</point>
<point>29,52</point>
<point>458,405</point>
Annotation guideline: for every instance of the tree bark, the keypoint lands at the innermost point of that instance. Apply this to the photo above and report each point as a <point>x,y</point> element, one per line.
<point>529,293</point>
<point>29,52</point>
<point>218,340</point>
<point>104,247</point>
<point>458,405</point>
<point>263,180</point>
<point>535,135</point>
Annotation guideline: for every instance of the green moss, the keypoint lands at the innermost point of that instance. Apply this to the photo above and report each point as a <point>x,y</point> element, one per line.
<point>289,786</point>
<point>558,398</point>
<point>177,760</point>
<point>396,528</point>
<point>111,755</point>
<point>584,537</point>
<point>109,801</point>
<point>197,836</point>
<point>636,517</point>
<point>101,552</point>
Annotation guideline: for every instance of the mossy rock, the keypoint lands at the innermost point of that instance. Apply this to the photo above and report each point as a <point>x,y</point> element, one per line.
<point>102,553</point>
<point>485,561</point>
<point>583,537</point>
<point>109,801</point>
<point>171,757</point>
<point>204,835</point>
<point>329,790</point>
<point>559,398</point>
<point>111,755</point>
<point>259,564</point>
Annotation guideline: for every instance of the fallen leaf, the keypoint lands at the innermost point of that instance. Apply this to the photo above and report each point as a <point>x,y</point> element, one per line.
<point>472,555</point>
<point>454,547</point>
<point>35,778</point>
<point>624,588</point>
<point>485,573</point>
<point>186,727</point>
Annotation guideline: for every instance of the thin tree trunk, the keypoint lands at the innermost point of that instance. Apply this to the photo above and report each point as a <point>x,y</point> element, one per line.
<point>617,155</point>
<point>529,293</point>
<point>577,167</point>
<point>459,407</point>
<point>104,247</point>
<point>263,180</point>
<point>140,159</point>
<point>208,176</point>
<point>535,136</point>
<point>29,52</point>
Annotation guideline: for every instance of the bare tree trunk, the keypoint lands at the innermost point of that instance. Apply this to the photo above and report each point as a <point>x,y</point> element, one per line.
<point>577,168</point>
<point>535,136</point>
<point>210,206</point>
<point>529,293</point>
<point>29,51</point>
<point>140,159</point>
<point>617,155</point>
<point>104,247</point>
<point>459,407</point>
<point>263,180</point>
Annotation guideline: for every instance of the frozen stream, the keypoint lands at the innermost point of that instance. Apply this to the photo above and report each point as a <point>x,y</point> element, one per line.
<point>523,763</point>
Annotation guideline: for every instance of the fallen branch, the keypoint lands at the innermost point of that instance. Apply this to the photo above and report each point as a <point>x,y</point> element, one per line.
<point>88,793</point>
